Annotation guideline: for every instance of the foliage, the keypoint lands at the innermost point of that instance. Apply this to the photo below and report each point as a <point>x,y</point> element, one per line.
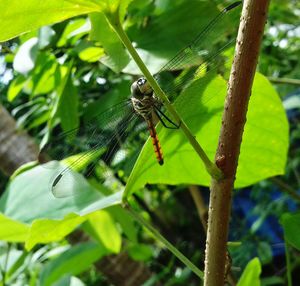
<point>59,77</point>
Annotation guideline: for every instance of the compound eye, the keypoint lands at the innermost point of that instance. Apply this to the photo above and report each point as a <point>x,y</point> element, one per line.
<point>141,81</point>
<point>135,90</point>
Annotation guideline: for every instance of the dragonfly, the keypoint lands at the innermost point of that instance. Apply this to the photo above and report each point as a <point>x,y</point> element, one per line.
<point>142,107</point>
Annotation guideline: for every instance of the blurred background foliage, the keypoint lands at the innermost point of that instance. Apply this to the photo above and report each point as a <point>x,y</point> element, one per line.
<point>60,76</point>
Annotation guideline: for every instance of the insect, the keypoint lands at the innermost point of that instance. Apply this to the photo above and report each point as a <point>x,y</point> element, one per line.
<point>143,104</point>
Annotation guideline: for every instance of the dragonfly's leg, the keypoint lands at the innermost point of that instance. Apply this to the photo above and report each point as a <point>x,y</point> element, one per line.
<point>162,115</point>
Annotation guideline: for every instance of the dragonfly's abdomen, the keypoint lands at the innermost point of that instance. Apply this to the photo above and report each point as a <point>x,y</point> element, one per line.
<point>155,142</point>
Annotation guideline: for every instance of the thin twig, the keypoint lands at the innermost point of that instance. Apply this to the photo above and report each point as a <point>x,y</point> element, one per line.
<point>284,80</point>
<point>200,205</point>
<point>286,188</point>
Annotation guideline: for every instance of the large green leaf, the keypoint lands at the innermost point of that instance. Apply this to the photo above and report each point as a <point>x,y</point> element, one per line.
<point>29,200</point>
<point>15,87</point>
<point>46,230</point>
<point>250,276</point>
<point>72,262</point>
<point>263,151</point>
<point>291,226</point>
<point>18,17</point>
<point>13,231</point>
<point>103,229</point>
<point>68,102</point>
<point>29,197</point>
<point>117,57</point>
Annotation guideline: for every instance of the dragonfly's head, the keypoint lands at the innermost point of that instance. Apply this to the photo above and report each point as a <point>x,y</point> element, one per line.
<point>141,88</point>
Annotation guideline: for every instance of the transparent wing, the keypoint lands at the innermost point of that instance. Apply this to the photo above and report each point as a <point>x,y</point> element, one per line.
<point>196,57</point>
<point>83,146</point>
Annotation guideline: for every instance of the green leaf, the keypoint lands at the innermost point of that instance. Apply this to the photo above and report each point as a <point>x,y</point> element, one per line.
<point>68,102</point>
<point>140,252</point>
<point>46,230</point>
<point>19,17</point>
<point>72,262</point>
<point>264,252</point>
<point>103,228</point>
<point>263,151</point>
<point>29,197</point>
<point>12,231</point>
<point>44,75</point>
<point>75,27</point>
<point>126,221</point>
<point>291,226</point>
<point>250,276</point>
<point>115,9</point>
<point>91,54</point>
<point>15,87</point>
<point>102,32</point>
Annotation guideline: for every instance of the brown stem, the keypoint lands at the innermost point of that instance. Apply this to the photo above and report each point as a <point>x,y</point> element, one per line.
<point>16,147</point>
<point>234,117</point>
<point>203,216</point>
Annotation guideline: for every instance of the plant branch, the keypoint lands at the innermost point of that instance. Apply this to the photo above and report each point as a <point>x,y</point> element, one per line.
<point>286,188</point>
<point>212,169</point>
<point>200,205</point>
<point>284,80</point>
<point>234,117</point>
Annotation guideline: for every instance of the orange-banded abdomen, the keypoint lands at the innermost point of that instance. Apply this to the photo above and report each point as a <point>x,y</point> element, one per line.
<point>155,142</point>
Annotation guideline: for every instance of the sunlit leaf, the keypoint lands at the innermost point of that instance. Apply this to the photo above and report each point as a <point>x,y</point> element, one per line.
<point>117,57</point>
<point>13,231</point>
<point>103,228</point>
<point>251,274</point>
<point>46,230</point>
<point>45,74</point>
<point>264,146</point>
<point>91,54</point>
<point>15,87</point>
<point>68,102</point>
<point>71,30</point>
<point>39,13</point>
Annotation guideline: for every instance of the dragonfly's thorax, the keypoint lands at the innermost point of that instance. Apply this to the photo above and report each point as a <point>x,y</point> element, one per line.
<point>143,98</point>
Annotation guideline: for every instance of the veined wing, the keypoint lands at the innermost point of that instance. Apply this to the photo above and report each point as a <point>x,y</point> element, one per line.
<point>195,56</point>
<point>85,144</point>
